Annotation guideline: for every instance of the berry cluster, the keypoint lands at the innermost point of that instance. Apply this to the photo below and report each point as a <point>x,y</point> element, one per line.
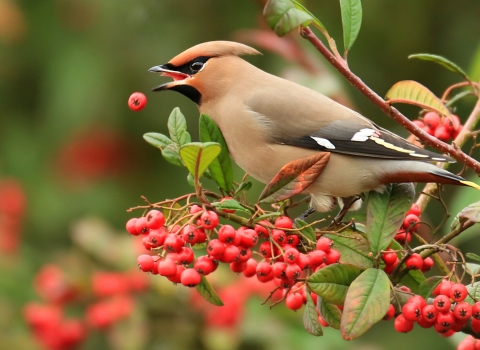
<point>443,128</point>
<point>410,224</point>
<point>282,262</point>
<point>113,302</point>
<point>448,313</point>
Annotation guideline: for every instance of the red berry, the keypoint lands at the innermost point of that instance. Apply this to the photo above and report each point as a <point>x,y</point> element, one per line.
<point>283,222</point>
<point>156,237</point>
<point>155,219</point>
<point>389,268</point>
<point>244,254</point>
<point>411,312</point>
<point>249,238</point>
<point>417,299</point>
<point>462,311</point>
<point>141,226</point>
<point>418,123</point>
<point>294,301</point>
<point>185,256</point>
<point>264,268</point>
<point>422,322</point>
<point>415,210</point>
<point>445,288</point>
<point>322,321</point>
<point>293,271</point>
<point>446,320</point>
<point>403,237</point>
<point>333,256</point>
<point>238,267</point>
<point>279,269</point>
<point>291,255</point>
<point>204,265</point>
<point>427,264</point>
<point>389,257</point>
<point>227,234</point>
<point>451,124</point>
<point>476,310</point>
<point>405,289</point>
<point>442,133</point>
<point>317,257</point>
<point>190,234</point>
<point>303,261</point>
<point>428,130</point>
<point>458,292</point>
<point>209,220</point>
<point>390,313</point>
<point>190,278</point>
<point>177,277</point>
<point>324,243</point>
<point>137,101</point>
<point>145,262</point>
<point>173,243</point>
<point>195,209</point>
<point>265,249</point>
<point>261,230</point>
<point>292,240</point>
<point>414,262</point>
<point>411,222</point>
<point>402,325</point>
<point>429,313</point>
<point>230,253</point>
<point>251,269</point>
<point>442,303</point>
<point>467,344</point>
<point>279,236</point>
<point>432,119</point>
<point>131,228</point>
<point>476,325</point>
<point>167,268</point>
<point>215,248</point>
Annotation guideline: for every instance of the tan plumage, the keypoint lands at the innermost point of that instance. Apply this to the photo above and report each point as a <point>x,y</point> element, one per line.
<point>268,122</point>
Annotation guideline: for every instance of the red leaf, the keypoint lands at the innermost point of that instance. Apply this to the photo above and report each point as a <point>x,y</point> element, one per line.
<point>295,177</point>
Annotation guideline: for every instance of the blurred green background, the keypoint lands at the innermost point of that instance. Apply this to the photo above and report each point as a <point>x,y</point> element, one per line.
<point>70,145</point>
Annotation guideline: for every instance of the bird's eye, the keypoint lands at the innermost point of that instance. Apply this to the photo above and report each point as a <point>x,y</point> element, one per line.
<point>195,67</point>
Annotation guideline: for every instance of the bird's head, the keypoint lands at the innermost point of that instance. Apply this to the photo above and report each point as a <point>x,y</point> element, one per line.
<point>199,72</point>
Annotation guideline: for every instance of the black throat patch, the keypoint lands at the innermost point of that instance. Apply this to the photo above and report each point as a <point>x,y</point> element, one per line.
<point>189,91</point>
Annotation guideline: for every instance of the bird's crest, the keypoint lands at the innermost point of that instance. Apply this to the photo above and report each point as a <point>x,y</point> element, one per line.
<point>213,49</point>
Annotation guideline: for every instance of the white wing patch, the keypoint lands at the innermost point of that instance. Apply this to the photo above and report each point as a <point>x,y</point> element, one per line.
<point>364,134</point>
<point>323,142</point>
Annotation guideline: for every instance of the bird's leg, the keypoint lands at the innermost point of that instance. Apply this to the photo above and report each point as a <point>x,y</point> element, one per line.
<point>306,214</point>
<point>347,203</point>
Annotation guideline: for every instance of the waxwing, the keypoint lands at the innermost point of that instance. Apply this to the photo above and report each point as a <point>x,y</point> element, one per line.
<point>268,122</point>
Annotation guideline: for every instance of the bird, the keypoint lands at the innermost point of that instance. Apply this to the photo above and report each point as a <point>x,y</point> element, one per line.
<point>268,122</point>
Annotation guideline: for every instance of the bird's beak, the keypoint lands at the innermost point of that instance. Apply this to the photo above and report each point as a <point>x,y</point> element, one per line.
<point>178,77</point>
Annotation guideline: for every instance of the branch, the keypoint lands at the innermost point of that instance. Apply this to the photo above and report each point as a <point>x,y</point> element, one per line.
<point>386,108</point>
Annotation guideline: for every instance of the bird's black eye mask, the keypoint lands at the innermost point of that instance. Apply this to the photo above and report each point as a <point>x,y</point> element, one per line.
<point>190,68</point>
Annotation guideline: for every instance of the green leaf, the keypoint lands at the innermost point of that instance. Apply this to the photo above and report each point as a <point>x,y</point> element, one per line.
<point>190,180</point>
<point>351,21</point>
<point>306,232</point>
<point>294,177</point>
<point>310,318</point>
<point>427,286</point>
<point>353,247</point>
<point>171,155</point>
<point>386,212</point>
<point>473,293</point>
<point>221,167</point>
<point>197,156</point>
<point>471,212</point>
<point>283,16</point>
<point>411,92</point>
<point>457,97</point>
<point>244,186</point>
<point>208,293</point>
<point>332,282</point>
<point>266,216</point>
<point>231,204</point>
<point>157,140</point>
<point>473,257</point>
<point>330,313</point>
<point>441,61</point>
<point>366,303</point>
<point>177,126</point>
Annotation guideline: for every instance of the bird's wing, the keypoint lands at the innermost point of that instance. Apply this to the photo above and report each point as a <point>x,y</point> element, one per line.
<point>313,121</point>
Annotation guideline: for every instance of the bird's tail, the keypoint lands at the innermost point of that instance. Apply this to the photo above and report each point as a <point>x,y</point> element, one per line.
<point>450,178</point>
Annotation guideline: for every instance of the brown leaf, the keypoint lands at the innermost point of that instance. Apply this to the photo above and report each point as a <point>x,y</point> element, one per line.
<point>295,177</point>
